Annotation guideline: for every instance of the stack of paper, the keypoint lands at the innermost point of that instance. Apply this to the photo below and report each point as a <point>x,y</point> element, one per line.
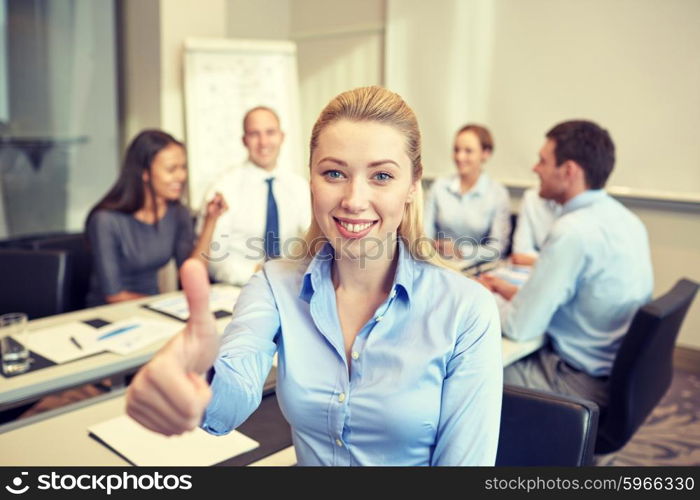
<point>146,448</point>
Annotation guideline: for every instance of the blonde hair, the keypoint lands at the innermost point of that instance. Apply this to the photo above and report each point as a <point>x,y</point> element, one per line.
<point>377,104</point>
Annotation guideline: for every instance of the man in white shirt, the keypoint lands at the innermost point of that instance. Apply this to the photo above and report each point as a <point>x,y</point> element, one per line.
<point>593,273</point>
<point>267,207</point>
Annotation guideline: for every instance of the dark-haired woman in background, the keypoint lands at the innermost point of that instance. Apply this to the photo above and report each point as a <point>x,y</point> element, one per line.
<point>468,214</point>
<point>140,224</point>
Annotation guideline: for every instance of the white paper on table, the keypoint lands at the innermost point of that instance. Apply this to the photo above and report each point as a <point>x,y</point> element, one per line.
<point>517,275</point>
<point>146,448</point>
<point>54,343</point>
<point>145,332</point>
<point>219,299</point>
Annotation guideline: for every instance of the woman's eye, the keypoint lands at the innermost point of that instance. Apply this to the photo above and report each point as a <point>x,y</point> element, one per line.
<point>333,174</point>
<point>383,176</point>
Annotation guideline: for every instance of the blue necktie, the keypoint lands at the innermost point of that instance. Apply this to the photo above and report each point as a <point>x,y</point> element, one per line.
<point>272,226</point>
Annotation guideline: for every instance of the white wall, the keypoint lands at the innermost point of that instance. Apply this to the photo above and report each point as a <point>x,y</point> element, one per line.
<point>522,66</point>
<point>631,65</point>
<point>140,66</point>
<point>155,31</point>
<point>179,20</point>
<point>437,60</point>
<point>674,232</point>
<point>340,47</point>
<point>265,19</point>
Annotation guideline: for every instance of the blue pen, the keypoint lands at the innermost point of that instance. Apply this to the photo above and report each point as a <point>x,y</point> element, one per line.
<point>117,331</point>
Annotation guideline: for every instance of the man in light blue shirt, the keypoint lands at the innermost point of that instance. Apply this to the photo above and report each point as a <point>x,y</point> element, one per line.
<point>592,275</point>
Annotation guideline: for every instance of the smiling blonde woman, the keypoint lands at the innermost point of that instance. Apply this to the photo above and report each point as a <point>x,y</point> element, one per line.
<point>385,358</point>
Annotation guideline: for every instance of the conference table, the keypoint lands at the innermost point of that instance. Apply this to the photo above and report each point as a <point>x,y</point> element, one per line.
<point>27,387</point>
<point>66,428</point>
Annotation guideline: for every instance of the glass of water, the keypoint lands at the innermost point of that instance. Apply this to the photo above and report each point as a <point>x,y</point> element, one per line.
<point>13,337</point>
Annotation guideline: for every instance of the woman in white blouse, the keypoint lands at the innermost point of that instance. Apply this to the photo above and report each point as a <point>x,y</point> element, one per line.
<point>468,213</point>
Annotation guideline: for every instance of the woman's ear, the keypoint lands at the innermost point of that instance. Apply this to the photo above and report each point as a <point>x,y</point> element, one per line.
<point>485,155</point>
<point>145,176</point>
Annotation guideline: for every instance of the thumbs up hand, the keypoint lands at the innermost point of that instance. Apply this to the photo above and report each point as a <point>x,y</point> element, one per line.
<point>169,394</point>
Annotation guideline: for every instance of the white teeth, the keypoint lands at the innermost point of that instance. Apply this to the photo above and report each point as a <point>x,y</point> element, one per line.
<point>355,228</point>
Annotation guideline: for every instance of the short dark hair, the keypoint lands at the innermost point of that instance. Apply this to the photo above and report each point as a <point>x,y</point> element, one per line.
<point>587,144</point>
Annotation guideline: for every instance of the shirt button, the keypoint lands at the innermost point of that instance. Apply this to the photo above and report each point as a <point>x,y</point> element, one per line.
<point>339,442</point>
<point>378,318</point>
<point>355,355</point>
<point>341,397</point>
<point>393,293</point>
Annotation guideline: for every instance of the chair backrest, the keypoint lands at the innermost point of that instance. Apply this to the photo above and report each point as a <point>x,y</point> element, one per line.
<point>35,282</point>
<point>544,429</point>
<point>80,265</point>
<point>27,241</point>
<point>513,223</point>
<point>643,367</point>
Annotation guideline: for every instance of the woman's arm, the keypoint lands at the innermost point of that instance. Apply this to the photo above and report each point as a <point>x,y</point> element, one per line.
<point>215,208</point>
<point>123,296</point>
<point>470,412</point>
<point>245,357</point>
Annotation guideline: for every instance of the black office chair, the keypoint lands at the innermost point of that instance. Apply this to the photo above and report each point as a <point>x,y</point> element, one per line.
<point>643,367</point>
<point>544,429</point>
<point>27,241</point>
<point>80,265</point>
<point>35,282</point>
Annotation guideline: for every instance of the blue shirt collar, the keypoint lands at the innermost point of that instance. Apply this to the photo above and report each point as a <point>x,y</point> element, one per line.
<point>477,189</point>
<point>583,200</point>
<point>319,269</point>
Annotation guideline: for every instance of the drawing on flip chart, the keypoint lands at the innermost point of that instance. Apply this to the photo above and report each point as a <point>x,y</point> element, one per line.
<point>223,79</point>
